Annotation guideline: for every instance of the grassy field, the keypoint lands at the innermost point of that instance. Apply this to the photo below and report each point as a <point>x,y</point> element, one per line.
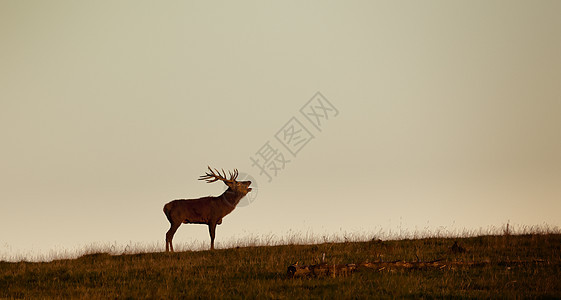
<point>527,265</point>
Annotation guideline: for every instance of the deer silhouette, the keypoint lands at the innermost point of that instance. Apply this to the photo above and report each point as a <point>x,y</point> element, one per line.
<point>206,210</point>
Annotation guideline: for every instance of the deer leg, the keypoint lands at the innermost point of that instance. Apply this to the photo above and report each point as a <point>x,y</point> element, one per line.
<point>169,236</point>
<point>212,231</point>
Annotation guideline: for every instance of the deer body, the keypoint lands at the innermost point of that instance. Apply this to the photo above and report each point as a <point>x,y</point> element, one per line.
<point>206,210</point>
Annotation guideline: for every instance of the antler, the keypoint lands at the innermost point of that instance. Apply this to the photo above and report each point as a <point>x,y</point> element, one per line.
<point>212,176</point>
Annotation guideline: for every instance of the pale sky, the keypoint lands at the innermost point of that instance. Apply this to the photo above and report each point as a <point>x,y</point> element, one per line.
<point>449,116</point>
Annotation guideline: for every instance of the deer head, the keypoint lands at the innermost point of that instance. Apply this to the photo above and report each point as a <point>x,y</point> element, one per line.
<point>239,187</point>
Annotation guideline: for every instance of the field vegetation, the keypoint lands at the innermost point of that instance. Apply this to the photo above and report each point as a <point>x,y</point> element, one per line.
<point>526,264</point>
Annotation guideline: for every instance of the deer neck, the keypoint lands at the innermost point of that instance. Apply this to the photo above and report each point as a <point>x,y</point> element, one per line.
<point>231,197</point>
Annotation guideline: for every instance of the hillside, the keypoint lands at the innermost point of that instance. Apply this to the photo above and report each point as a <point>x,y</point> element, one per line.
<point>484,266</point>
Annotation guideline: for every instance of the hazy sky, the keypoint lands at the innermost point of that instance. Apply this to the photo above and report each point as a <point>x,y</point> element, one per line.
<point>448,116</point>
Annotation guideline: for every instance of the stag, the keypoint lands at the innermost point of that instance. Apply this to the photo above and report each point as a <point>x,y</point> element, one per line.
<point>206,210</point>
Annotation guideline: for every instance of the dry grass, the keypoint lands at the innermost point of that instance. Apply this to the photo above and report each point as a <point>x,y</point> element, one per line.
<point>260,271</point>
